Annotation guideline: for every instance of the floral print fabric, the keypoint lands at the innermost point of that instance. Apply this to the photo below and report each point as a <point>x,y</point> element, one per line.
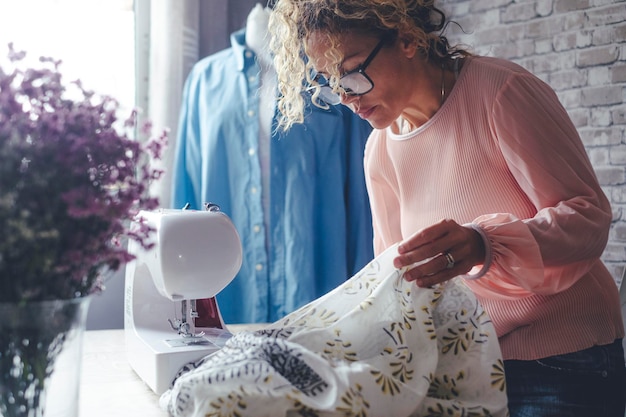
<point>375,346</point>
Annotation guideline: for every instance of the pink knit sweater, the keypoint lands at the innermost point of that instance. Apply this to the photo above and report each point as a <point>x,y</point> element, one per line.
<point>502,153</point>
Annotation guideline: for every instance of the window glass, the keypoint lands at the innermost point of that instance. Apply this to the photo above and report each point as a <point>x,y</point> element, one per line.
<point>93,38</point>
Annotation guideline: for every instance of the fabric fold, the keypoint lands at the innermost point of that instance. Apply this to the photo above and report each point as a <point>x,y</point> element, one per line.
<point>375,346</point>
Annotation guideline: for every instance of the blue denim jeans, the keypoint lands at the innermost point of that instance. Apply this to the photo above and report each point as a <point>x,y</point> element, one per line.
<point>588,383</point>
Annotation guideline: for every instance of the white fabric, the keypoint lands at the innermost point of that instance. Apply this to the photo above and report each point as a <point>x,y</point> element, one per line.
<point>375,346</point>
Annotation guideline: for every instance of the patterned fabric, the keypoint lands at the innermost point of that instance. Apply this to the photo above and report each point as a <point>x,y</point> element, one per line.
<point>375,346</point>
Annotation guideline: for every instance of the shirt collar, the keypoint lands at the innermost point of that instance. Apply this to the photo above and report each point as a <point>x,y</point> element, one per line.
<point>245,56</point>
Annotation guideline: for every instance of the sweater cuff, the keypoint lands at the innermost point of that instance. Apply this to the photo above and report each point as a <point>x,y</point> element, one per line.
<point>488,252</point>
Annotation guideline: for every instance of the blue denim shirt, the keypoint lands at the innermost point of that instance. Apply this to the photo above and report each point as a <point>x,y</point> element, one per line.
<point>320,222</point>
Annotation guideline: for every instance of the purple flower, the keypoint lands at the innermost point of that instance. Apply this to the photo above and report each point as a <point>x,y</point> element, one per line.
<point>71,179</point>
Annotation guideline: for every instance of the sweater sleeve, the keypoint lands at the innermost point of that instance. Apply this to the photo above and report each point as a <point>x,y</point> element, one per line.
<point>549,252</point>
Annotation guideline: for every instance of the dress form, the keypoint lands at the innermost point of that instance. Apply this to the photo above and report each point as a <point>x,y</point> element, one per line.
<point>257,39</point>
<point>316,177</point>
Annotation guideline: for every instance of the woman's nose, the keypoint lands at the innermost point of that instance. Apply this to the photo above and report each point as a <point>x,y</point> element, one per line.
<point>347,99</point>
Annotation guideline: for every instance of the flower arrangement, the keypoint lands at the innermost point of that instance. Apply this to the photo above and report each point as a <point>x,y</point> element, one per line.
<point>71,179</point>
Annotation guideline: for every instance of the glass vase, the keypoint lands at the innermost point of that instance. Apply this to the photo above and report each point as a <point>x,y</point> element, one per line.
<point>40,357</point>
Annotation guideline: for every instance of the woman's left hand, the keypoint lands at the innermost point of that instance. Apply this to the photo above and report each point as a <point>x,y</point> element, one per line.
<point>440,252</point>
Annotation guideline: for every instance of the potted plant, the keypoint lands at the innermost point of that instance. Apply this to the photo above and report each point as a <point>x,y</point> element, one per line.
<point>71,180</point>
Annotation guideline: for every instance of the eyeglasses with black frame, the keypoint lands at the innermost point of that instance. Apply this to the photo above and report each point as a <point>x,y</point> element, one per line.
<point>353,83</point>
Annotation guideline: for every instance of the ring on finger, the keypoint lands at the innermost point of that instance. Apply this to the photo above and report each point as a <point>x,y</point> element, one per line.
<point>449,260</point>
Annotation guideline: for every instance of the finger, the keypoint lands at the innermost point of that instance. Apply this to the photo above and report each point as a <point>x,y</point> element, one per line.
<point>436,271</point>
<point>428,243</point>
<point>427,236</point>
<point>447,255</point>
<point>429,267</point>
<point>421,255</point>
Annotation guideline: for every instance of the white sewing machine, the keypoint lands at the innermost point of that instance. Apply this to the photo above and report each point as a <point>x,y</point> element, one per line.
<point>171,316</point>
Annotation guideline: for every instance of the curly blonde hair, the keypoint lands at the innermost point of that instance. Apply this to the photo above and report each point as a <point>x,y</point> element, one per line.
<point>292,22</point>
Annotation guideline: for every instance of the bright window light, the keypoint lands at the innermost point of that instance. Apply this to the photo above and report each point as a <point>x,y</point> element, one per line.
<point>94,39</point>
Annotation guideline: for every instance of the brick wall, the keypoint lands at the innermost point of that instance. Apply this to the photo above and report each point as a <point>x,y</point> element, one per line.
<point>579,48</point>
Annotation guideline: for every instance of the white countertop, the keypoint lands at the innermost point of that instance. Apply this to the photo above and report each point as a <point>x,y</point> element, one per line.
<point>109,386</point>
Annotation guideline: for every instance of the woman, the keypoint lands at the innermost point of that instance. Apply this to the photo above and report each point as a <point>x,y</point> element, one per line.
<point>477,170</point>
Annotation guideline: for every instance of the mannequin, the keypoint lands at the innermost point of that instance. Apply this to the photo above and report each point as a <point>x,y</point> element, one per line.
<point>257,39</point>
<point>298,199</point>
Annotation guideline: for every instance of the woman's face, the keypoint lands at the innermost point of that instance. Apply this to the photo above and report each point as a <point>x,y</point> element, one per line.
<point>391,71</point>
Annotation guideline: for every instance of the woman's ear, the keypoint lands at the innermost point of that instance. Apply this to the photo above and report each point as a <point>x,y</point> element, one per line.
<point>408,46</point>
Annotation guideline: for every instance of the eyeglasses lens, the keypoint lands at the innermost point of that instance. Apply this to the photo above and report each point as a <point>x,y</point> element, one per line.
<point>328,96</point>
<point>353,84</point>
<point>356,83</point>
